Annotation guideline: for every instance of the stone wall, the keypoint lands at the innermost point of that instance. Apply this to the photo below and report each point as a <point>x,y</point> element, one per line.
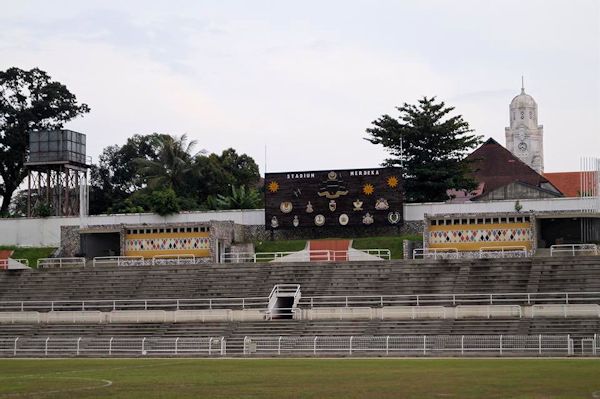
<point>70,242</point>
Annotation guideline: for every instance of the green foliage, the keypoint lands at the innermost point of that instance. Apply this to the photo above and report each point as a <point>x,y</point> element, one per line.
<point>126,176</point>
<point>29,100</point>
<point>239,198</point>
<point>431,145</point>
<point>43,210</point>
<point>164,202</point>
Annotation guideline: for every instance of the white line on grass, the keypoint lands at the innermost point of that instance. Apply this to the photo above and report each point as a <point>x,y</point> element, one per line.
<point>106,384</point>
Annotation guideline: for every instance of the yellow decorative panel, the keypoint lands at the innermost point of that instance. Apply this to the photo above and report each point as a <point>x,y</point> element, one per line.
<point>472,237</point>
<point>149,244</point>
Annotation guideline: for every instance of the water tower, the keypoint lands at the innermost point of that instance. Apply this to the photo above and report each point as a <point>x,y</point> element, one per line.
<point>57,174</point>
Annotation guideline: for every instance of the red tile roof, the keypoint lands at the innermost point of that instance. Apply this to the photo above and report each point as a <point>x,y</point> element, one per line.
<point>569,183</point>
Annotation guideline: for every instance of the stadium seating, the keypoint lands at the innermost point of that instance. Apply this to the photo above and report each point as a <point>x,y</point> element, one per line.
<point>453,277</point>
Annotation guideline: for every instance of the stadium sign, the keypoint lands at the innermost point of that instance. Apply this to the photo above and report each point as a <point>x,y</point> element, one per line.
<point>354,197</point>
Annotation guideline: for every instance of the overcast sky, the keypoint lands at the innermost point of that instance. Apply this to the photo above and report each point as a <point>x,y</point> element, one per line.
<point>306,78</point>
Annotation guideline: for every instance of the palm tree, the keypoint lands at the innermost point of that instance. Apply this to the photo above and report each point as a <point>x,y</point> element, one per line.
<point>173,164</point>
<point>240,198</point>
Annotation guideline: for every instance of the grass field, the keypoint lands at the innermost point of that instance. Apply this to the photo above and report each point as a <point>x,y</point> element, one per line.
<point>301,378</point>
<point>31,253</point>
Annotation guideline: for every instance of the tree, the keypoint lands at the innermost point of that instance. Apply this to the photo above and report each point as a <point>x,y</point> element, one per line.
<point>29,100</point>
<point>240,198</point>
<point>430,145</point>
<point>173,164</point>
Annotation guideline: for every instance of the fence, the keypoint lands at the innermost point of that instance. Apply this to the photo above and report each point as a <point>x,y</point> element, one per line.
<point>119,261</point>
<point>574,249</point>
<point>521,298</point>
<point>417,345</point>
<point>112,346</point>
<point>435,253</point>
<point>324,255</point>
<point>182,259</point>
<point>60,262</point>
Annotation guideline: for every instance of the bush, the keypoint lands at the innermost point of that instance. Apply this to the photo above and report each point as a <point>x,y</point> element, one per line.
<point>164,202</point>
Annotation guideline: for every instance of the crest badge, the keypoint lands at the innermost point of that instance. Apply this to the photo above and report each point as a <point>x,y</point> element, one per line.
<point>285,207</point>
<point>319,220</point>
<point>393,217</point>
<point>309,208</point>
<point>367,219</point>
<point>274,222</point>
<point>357,205</point>
<point>382,204</point>
<point>344,219</point>
<point>332,205</point>
<point>296,221</point>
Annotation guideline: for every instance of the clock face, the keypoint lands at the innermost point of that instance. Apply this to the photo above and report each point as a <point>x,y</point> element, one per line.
<point>523,146</point>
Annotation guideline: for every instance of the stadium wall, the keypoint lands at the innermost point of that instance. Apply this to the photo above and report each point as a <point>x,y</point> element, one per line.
<point>250,223</point>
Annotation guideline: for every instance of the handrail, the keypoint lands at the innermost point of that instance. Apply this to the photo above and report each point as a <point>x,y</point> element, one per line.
<point>573,249</point>
<point>60,262</point>
<point>119,260</point>
<point>444,253</point>
<point>529,298</point>
<point>323,255</point>
<point>168,259</point>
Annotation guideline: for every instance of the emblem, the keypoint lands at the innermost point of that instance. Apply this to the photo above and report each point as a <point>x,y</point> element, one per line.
<point>309,208</point>
<point>332,205</point>
<point>344,219</point>
<point>319,220</point>
<point>381,204</point>
<point>274,222</point>
<point>367,219</point>
<point>332,188</point>
<point>297,193</point>
<point>296,222</point>
<point>393,217</point>
<point>357,205</point>
<point>285,207</point>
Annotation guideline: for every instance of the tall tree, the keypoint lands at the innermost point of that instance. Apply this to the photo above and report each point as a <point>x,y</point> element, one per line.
<point>173,164</point>
<point>431,145</point>
<point>28,100</point>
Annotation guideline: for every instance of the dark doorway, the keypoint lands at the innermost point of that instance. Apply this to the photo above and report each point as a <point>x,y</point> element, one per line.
<point>560,231</point>
<point>100,244</point>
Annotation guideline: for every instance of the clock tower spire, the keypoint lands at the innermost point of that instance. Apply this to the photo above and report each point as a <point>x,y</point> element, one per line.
<point>524,137</point>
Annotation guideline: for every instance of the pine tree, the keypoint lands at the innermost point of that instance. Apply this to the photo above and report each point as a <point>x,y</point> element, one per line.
<point>430,145</point>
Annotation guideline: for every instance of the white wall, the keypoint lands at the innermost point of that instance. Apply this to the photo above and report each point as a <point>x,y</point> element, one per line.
<point>46,232</point>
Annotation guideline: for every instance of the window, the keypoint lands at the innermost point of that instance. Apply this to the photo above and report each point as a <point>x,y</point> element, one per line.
<point>522,114</point>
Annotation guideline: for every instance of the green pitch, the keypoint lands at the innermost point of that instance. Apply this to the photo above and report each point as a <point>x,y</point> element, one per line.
<point>301,378</point>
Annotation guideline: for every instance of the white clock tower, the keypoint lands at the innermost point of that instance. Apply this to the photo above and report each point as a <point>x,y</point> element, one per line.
<point>524,137</point>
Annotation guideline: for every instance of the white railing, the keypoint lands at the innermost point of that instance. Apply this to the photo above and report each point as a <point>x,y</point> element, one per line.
<point>416,345</point>
<point>574,249</point>
<point>60,262</point>
<point>118,261</point>
<point>435,253</point>
<point>181,259</point>
<point>503,252</point>
<point>3,264</point>
<point>324,255</point>
<point>111,346</point>
<point>518,298</point>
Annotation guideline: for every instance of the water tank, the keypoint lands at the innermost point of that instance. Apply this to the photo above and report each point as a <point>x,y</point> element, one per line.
<point>56,146</point>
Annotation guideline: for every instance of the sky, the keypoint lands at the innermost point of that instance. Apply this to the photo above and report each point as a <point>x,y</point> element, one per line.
<point>296,84</point>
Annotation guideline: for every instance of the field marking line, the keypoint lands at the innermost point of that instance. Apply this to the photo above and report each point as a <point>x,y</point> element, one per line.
<point>106,384</point>
<point>596,394</point>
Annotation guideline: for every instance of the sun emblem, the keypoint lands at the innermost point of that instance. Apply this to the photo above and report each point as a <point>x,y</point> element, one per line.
<point>273,186</point>
<point>392,181</point>
<point>368,189</point>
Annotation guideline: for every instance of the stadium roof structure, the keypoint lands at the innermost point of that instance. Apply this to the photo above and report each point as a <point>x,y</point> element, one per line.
<point>495,167</point>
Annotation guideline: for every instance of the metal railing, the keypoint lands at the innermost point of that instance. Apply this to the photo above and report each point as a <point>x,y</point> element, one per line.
<point>574,249</point>
<point>118,260</point>
<point>523,298</point>
<point>60,262</point>
<point>411,345</point>
<point>435,253</point>
<point>60,346</point>
<point>516,251</point>
<point>180,259</point>
<point>324,255</point>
